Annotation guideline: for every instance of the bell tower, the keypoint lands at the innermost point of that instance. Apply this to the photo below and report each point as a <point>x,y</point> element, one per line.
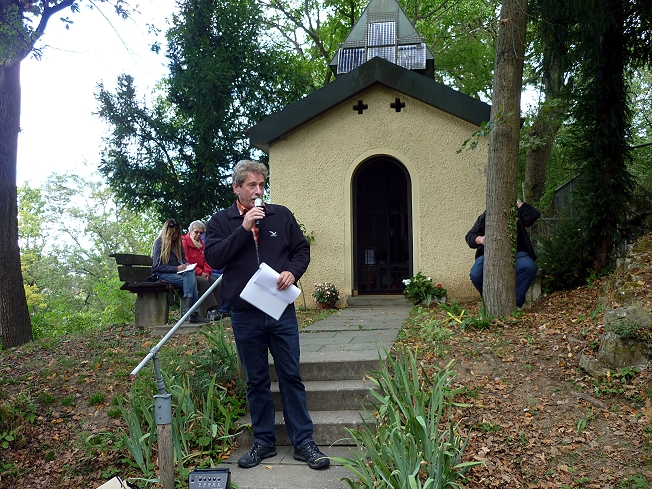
<point>384,30</point>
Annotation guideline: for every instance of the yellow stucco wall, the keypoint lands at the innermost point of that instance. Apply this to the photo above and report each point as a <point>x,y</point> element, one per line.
<point>311,171</point>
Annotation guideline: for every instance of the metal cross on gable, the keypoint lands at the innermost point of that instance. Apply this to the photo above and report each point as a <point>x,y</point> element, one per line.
<point>397,105</point>
<point>360,107</point>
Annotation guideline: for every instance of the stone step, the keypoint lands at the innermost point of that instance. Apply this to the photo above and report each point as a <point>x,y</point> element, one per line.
<point>348,365</point>
<point>378,301</point>
<point>323,395</point>
<point>329,427</point>
<point>282,471</point>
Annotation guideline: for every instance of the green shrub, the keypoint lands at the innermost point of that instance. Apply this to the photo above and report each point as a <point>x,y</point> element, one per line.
<point>421,289</point>
<point>118,304</point>
<point>201,424</point>
<point>563,257</point>
<point>204,412</point>
<point>630,330</point>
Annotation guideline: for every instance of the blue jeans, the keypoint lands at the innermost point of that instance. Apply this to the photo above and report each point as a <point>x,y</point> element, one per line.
<point>187,281</point>
<point>255,333</point>
<point>526,270</point>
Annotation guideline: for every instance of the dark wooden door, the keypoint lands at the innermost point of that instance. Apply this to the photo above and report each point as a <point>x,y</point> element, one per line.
<point>382,227</point>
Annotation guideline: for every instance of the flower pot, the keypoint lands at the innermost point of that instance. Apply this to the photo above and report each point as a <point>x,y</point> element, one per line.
<point>325,305</point>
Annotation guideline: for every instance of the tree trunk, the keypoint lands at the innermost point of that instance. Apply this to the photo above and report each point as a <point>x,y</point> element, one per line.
<point>544,129</point>
<point>499,284</point>
<point>14,315</point>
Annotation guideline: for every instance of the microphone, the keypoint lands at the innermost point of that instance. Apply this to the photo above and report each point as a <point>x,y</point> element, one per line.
<point>258,203</point>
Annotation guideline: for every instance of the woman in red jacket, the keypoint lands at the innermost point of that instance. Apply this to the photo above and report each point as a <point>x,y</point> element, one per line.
<point>193,248</point>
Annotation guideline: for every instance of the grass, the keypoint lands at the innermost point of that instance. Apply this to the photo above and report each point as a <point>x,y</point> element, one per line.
<point>73,387</point>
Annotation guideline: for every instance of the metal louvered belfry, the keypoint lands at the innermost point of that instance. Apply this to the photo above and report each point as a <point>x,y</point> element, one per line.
<point>384,31</point>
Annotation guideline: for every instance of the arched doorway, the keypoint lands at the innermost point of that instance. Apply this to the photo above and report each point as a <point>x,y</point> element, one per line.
<point>382,226</point>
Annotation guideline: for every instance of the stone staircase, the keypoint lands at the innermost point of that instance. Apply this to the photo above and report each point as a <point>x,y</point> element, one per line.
<point>336,355</point>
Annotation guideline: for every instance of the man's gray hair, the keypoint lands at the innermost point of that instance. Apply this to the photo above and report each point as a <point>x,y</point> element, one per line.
<point>244,167</point>
<point>196,225</point>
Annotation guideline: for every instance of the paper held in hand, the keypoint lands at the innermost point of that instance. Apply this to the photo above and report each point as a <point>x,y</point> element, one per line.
<point>262,293</point>
<point>190,266</point>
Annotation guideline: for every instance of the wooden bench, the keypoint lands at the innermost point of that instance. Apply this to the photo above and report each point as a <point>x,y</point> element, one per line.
<point>152,308</point>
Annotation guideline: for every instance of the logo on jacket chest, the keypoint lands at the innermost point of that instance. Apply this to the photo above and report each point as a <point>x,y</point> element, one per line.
<point>272,234</point>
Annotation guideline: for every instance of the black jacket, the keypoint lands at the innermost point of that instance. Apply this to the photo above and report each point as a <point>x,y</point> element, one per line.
<point>527,215</point>
<point>230,247</point>
<point>173,264</point>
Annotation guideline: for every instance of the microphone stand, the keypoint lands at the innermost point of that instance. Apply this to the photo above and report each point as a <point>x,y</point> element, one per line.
<point>163,400</point>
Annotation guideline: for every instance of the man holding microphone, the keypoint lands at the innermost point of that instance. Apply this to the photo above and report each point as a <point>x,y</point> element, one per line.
<point>238,240</point>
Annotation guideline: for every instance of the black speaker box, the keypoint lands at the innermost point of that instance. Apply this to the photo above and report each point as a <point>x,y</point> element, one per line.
<point>209,479</point>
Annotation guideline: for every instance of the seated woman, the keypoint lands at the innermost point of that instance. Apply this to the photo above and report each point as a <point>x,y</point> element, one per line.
<point>194,251</point>
<point>168,259</point>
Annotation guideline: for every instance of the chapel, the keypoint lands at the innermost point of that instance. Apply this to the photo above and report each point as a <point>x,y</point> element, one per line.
<point>371,165</point>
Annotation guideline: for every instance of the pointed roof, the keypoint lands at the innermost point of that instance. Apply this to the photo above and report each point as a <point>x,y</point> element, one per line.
<point>383,30</point>
<point>375,71</point>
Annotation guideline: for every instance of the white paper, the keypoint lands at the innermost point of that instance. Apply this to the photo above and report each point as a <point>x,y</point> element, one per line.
<point>189,267</point>
<point>115,483</point>
<point>262,293</point>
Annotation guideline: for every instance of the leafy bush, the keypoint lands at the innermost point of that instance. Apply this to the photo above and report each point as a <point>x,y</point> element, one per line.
<point>630,330</point>
<point>118,304</point>
<point>204,411</point>
<point>421,289</point>
<point>563,257</point>
<point>415,443</point>
<point>326,293</point>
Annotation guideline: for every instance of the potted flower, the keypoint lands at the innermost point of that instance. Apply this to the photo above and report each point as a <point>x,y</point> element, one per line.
<point>326,294</point>
<point>421,289</point>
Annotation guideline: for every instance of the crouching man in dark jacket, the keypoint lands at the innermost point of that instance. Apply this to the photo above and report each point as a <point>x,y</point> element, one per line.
<point>526,268</point>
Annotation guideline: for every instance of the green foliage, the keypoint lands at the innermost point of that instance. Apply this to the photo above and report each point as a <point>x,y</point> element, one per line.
<point>326,293</point>
<point>96,399</point>
<point>640,87</point>
<point>119,304</point>
<point>637,481</point>
<point>584,421</point>
<point>596,48</point>
<point>563,258</point>
<point>202,425</point>
<point>488,427</point>
<point>615,384</point>
<point>14,414</point>
<point>175,158</point>
<point>68,228</point>
<point>204,412</point>
<point>480,321</point>
<point>457,315</point>
<point>223,350</point>
<point>630,330</point>
<point>420,289</point>
<point>477,136</point>
<point>462,36</point>
<point>138,443</point>
<point>46,399</point>
<point>6,439</point>
<point>310,236</point>
<point>485,129</point>
<point>311,31</point>
<point>414,442</point>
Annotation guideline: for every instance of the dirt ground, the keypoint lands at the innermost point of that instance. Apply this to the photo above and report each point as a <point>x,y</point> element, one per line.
<point>535,419</point>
